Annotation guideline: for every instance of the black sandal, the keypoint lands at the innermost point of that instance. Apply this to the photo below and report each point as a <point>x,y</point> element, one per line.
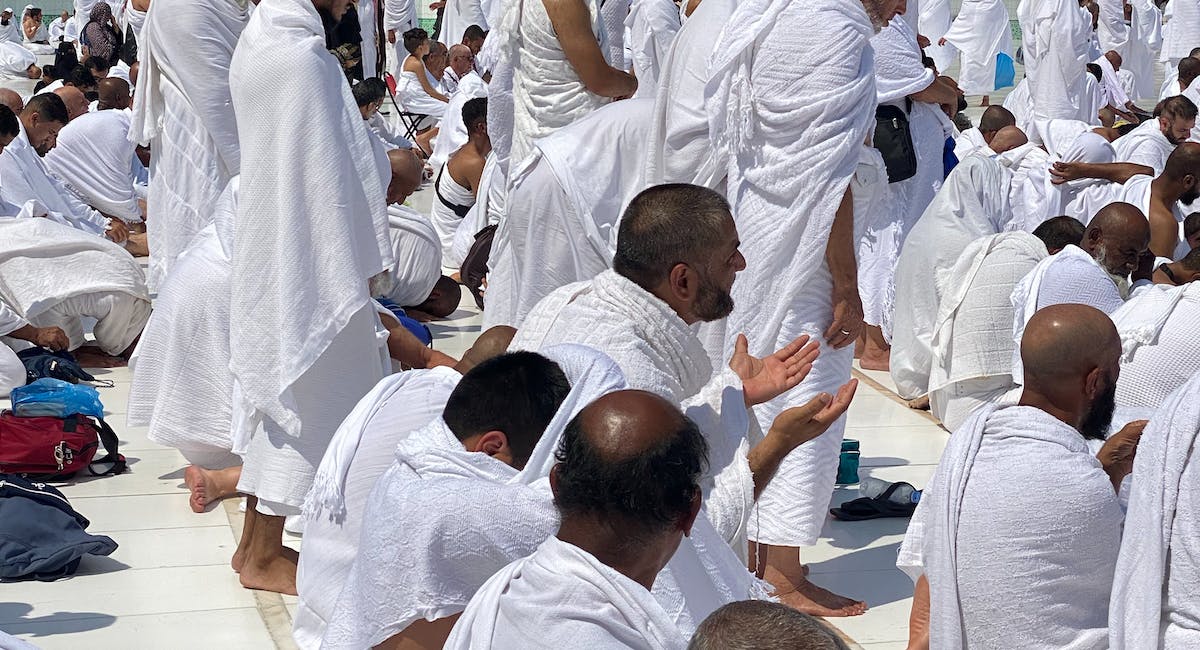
<point>864,508</point>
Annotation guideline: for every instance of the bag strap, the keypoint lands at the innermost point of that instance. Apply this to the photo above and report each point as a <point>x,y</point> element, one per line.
<point>108,438</point>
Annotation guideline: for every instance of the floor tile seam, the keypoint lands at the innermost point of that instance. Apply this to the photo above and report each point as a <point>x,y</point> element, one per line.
<point>67,616</point>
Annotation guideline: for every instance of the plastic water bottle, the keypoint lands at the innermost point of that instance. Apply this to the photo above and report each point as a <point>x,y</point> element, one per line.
<point>872,487</point>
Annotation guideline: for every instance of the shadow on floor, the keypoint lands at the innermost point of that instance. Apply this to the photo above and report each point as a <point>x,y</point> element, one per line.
<point>13,615</point>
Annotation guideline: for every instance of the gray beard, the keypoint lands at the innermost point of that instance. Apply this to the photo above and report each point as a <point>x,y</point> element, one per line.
<point>872,8</point>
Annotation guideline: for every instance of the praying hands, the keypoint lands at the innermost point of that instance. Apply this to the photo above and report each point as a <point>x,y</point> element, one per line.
<point>769,377</point>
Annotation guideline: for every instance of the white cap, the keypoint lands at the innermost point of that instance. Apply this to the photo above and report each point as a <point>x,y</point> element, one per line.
<point>8,10</point>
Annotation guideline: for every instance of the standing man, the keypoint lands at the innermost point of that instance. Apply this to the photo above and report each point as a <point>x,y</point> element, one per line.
<point>183,111</point>
<point>399,16</point>
<point>790,138</point>
<point>303,349</point>
<point>1056,37</point>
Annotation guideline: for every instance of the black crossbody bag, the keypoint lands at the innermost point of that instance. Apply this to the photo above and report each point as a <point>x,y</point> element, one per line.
<point>894,141</point>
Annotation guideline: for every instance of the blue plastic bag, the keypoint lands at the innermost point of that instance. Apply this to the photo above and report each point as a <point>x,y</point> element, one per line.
<point>56,398</point>
<point>1006,73</point>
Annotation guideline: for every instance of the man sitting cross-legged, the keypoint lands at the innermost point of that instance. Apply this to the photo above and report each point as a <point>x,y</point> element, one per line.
<point>1002,566</point>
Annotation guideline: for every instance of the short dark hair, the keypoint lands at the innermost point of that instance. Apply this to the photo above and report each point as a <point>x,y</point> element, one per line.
<point>762,625</point>
<point>1177,107</point>
<point>80,77</point>
<point>474,111</point>
<point>517,393</point>
<point>49,107</point>
<point>8,122</point>
<point>1056,233</point>
<point>371,89</point>
<point>647,491</point>
<point>1096,71</point>
<point>1191,261</point>
<point>96,64</point>
<point>665,225</point>
<point>996,117</point>
<point>413,39</point>
<point>1191,224</point>
<point>1188,68</point>
<point>473,33</point>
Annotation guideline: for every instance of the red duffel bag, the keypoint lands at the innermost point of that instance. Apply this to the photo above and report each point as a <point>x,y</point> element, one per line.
<point>50,448</point>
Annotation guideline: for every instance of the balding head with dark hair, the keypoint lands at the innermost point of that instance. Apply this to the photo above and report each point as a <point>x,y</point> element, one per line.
<point>763,625</point>
<point>1059,232</point>
<point>1188,69</point>
<point>679,243</point>
<point>994,118</point>
<point>1176,117</point>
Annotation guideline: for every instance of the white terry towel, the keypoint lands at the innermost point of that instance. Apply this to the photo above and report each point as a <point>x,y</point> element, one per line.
<point>971,332</point>
<point>43,263</point>
<point>571,599</point>
<point>1157,329</point>
<point>973,203</point>
<point>1155,598</point>
<point>1016,555</point>
<point>418,256</point>
<point>309,233</point>
<point>95,159</point>
<point>182,388</point>
<point>596,166</point>
<point>15,60</point>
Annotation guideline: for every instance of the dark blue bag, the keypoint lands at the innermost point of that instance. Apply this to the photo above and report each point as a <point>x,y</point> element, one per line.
<point>41,535</point>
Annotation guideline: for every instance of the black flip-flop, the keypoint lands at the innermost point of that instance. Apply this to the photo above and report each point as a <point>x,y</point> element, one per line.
<point>864,508</point>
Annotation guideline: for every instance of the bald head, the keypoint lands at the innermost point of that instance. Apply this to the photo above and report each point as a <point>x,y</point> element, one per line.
<point>492,343</point>
<point>12,100</point>
<point>1075,382</point>
<point>73,97</point>
<point>631,461</point>
<point>462,60</point>
<point>996,117</point>
<point>1117,236</point>
<point>1184,161</point>
<point>114,93</point>
<point>1007,139</point>
<point>407,173</point>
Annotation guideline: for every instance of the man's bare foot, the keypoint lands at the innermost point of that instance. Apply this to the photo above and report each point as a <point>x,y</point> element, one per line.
<point>210,486</point>
<point>876,354</point>
<point>277,573</point>
<point>239,558</point>
<point>876,361</point>
<point>920,404</point>
<point>817,601</point>
<point>987,101</point>
<point>90,356</point>
<point>137,245</point>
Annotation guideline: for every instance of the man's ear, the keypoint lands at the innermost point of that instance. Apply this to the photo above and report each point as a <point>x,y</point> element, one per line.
<point>554,480</point>
<point>682,280</point>
<point>1193,276</point>
<point>492,443</point>
<point>1092,383</point>
<point>689,520</point>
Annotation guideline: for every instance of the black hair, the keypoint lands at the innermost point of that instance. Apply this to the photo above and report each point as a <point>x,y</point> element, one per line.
<point>472,33</point>
<point>1191,261</point>
<point>1096,71</point>
<point>413,39</point>
<point>371,89</point>
<point>49,107</point>
<point>96,64</point>
<point>1056,233</point>
<point>474,111</point>
<point>1176,107</point>
<point>646,491</point>
<point>666,225</point>
<point>1191,224</point>
<point>8,122</point>
<point>517,393</point>
<point>80,77</point>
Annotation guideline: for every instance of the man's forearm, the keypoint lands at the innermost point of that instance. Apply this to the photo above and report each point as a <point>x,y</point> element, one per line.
<point>839,251</point>
<point>1115,172</point>
<point>765,459</point>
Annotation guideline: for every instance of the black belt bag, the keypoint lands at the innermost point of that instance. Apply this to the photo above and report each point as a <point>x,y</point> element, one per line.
<point>894,141</point>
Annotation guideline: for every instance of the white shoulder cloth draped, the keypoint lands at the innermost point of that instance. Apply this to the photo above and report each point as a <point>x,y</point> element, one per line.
<point>182,108</point>
<point>292,295</point>
<point>998,537</point>
<point>96,160</point>
<point>651,25</point>
<point>1155,598</point>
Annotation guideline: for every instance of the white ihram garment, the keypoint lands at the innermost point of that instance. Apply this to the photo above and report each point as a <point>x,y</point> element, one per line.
<point>94,158</point>
<point>790,138</point>
<point>971,344</point>
<point>54,275</point>
<point>898,74</point>
<point>452,133</point>
<point>458,16</point>
<point>15,60</point>
<point>980,32</point>
<point>1142,50</point>
<point>1112,31</point>
<point>1055,38</point>
<point>1155,603</point>
<point>972,204</point>
<point>1015,555</point>
<point>361,451</point>
<point>304,347</point>
<point>12,370</point>
<point>183,111</point>
<point>652,27</point>
<point>451,203</point>
<point>27,179</point>
<point>564,206</point>
<point>1145,145</point>
<point>1034,195</point>
<point>413,98</point>
<point>933,21</point>
<point>571,599</point>
<point>182,388</point>
<point>1157,331</point>
<point>417,251</point>
<point>680,150</point>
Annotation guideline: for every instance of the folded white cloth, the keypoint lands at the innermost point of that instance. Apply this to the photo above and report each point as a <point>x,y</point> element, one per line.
<point>1155,599</point>
<point>1016,555</point>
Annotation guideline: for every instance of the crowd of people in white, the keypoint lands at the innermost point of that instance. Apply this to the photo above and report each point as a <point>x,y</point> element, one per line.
<point>683,223</point>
